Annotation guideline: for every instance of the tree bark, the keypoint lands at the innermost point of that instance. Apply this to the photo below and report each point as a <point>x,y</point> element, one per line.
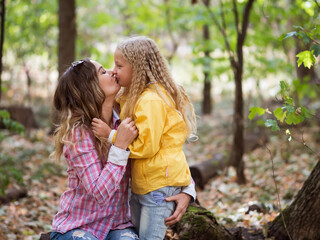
<point>3,11</point>
<point>302,217</point>
<point>66,42</point>
<point>206,104</point>
<point>67,34</point>
<point>12,195</point>
<point>238,136</point>
<point>202,172</point>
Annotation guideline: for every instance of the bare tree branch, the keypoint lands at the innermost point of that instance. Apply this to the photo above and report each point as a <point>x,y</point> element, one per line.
<point>222,15</point>
<point>245,22</point>
<point>243,31</point>
<point>225,38</point>
<point>236,15</point>
<point>169,27</point>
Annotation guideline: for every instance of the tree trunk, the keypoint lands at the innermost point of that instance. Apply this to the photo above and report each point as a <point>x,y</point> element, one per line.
<point>302,217</point>
<point>3,11</point>
<point>237,66</point>
<point>206,104</point>
<point>67,43</point>
<point>202,172</point>
<point>67,34</point>
<point>238,137</point>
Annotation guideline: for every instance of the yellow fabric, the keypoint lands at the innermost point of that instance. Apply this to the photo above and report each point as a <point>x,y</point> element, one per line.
<point>157,156</point>
<point>114,137</point>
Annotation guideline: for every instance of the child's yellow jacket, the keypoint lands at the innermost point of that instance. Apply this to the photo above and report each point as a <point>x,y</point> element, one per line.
<point>157,156</point>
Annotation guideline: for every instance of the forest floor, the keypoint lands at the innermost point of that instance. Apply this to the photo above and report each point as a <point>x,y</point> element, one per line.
<point>292,161</point>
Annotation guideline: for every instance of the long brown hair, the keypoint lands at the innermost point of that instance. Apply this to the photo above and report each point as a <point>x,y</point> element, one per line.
<point>78,99</point>
<point>150,66</point>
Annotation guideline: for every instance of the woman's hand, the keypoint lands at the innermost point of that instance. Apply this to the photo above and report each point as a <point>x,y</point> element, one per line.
<point>182,200</point>
<point>126,133</point>
<point>100,128</point>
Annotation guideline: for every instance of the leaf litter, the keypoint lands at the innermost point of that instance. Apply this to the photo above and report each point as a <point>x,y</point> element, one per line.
<point>28,217</point>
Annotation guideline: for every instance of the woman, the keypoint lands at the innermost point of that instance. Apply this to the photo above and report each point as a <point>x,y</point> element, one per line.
<point>96,204</point>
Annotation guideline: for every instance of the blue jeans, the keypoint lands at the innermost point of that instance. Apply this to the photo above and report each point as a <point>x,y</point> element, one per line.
<point>77,234</point>
<point>149,211</point>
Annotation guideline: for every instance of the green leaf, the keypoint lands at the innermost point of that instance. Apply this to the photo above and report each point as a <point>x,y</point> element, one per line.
<point>272,123</point>
<point>294,118</point>
<point>298,28</point>
<point>255,110</point>
<point>305,38</point>
<point>280,114</point>
<point>290,34</point>
<point>288,101</point>
<point>284,88</point>
<point>4,114</point>
<point>315,48</point>
<point>290,108</point>
<point>307,58</point>
<point>305,112</point>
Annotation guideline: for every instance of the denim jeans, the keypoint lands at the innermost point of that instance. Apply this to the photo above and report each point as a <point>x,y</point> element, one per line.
<point>77,234</point>
<point>149,211</point>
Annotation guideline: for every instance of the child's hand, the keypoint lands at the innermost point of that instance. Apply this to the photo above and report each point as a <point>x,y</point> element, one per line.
<point>100,128</point>
<point>126,133</point>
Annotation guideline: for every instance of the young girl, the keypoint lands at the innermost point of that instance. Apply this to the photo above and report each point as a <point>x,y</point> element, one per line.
<point>164,117</point>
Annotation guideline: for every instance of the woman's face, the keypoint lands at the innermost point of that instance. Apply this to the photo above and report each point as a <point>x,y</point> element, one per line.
<point>123,70</point>
<point>107,82</point>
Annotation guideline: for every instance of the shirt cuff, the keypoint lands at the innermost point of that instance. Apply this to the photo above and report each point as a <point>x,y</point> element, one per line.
<point>110,138</point>
<point>118,156</point>
<point>190,190</point>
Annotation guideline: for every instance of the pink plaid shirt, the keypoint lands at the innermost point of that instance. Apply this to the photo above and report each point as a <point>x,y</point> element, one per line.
<point>97,199</point>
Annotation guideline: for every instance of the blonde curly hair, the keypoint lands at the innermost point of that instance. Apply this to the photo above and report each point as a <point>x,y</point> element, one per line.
<point>150,66</point>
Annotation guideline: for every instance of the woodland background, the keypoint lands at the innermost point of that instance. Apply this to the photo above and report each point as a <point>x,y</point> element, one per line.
<point>250,67</point>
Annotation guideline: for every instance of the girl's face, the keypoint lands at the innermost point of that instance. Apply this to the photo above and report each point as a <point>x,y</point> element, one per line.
<point>123,70</point>
<point>107,82</point>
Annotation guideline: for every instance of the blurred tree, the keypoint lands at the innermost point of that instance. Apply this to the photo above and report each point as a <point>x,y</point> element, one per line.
<point>301,219</point>
<point>24,53</point>
<point>206,102</point>
<point>67,34</point>
<point>237,63</point>
<point>3,11</point>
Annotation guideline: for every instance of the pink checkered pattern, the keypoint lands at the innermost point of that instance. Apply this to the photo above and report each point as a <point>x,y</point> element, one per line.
<point>97,198</point>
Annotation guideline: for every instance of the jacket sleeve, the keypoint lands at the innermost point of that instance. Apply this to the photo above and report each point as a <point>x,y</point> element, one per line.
<point>150,117</point>
<point>190,190</point>
<point>100,182</point>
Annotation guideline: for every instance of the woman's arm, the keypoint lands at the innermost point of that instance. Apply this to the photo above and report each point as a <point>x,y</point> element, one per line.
<point>150,118</point>
<point>100,182</point>
<point>182,200</point>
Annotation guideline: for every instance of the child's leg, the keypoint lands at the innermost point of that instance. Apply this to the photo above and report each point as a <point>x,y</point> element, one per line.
<point>135,209</point>
<point>154,209</point>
